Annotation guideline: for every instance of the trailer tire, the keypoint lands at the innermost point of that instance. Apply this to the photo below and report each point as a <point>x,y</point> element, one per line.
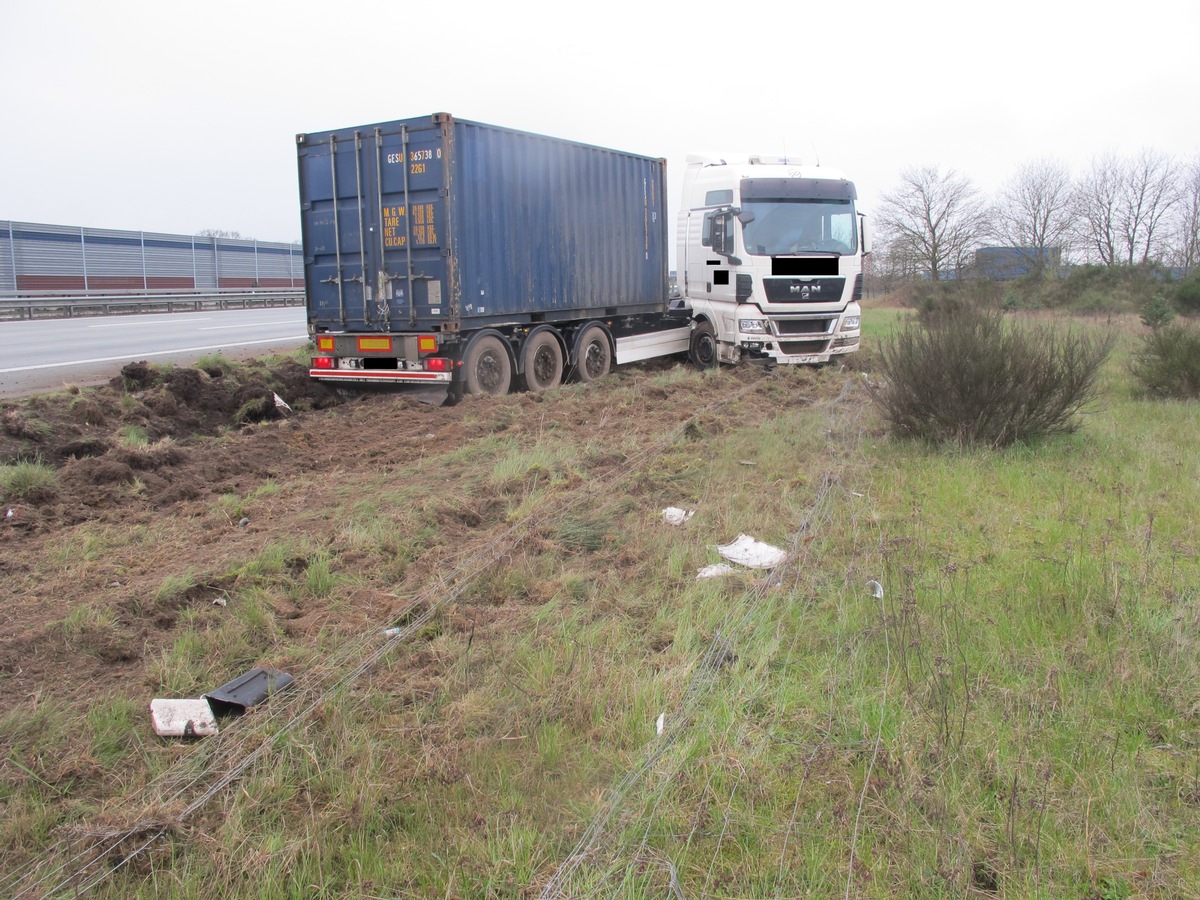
<point>702,350</point>
<point>488,367</point>
<point>542,362</point>
<point>593,359</point>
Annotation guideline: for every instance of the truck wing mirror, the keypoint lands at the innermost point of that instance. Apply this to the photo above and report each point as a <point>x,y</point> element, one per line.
<point>866,234</point>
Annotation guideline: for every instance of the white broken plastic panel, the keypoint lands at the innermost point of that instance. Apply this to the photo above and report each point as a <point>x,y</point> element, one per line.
<point>717,571</point>
<point>673,515</point>
<point>183,718</point>
<point>752,553</point>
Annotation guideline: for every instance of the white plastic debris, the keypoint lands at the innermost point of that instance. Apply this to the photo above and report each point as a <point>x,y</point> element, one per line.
<point>673,515</point>
<point>717,571</point>
<point>752,553</point>
<point>243,522</point>
<point>876,589</point>
<point>392,632</point>
<point>659,723</point>
<point>280,403</point>
<point>9,513</point>
<point>220,601</point>
<point>183,718</point>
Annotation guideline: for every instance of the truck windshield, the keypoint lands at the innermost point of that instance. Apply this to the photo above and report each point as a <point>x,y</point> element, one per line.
<point>783,227</point>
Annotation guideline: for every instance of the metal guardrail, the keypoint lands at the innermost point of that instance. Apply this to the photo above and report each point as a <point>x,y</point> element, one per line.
<point>49,305</point>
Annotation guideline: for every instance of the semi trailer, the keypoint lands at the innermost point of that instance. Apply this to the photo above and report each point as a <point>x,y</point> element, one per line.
<point>477,259</point>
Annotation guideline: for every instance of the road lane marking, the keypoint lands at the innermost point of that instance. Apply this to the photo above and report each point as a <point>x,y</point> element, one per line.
<point>147,324</point>
<point>136,356</point>
<point>227,327</point>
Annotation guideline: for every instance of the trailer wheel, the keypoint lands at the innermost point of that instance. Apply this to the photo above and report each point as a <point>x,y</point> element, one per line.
<point>702,350</point>
<point>594,359</point>
<point>542,360</point>
<point>488,368</point>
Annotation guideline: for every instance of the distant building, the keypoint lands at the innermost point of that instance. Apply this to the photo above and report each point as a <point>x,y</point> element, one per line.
<point>69,258</point>
<point>1007,263</point>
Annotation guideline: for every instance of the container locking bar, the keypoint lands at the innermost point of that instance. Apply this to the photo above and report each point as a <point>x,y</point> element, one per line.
<point>383,301</point>
<point>412,300</point>
<point>337,231</point>
<point>362,249</point>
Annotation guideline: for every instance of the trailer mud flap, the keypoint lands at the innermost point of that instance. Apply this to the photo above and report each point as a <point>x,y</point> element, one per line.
<point>430,394</point>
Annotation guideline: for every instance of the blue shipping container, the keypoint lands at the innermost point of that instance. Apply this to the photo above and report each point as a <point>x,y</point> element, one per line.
<point>442,225</point>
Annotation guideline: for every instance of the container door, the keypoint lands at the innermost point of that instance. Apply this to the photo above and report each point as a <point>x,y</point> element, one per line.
<point>411,267</point>
<point>374,226</point>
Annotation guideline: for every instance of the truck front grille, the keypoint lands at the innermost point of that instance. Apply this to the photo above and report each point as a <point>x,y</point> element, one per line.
<point>803,326</point>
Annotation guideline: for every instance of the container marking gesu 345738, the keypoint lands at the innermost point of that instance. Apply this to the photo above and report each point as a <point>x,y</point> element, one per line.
<point>465,256</point>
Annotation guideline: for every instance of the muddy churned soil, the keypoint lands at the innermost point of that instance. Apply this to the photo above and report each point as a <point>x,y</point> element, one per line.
<point>148,472</point>
<point>154,447</point>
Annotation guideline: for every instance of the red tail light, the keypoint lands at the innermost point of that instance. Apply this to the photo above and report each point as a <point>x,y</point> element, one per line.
<point>437,364</point>
<point>322,362</point>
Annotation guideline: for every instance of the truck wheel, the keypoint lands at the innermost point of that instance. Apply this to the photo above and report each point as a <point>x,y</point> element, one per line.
<point>595,355</point>
<point>488,368</point>
<point>702,350</point>
<point>542,360</point>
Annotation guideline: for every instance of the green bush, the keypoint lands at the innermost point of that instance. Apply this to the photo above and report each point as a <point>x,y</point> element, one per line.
<point>1187,294</point>
<point>1157,312</point>
<point>969,377</point>
<point>1100,289</point>
<point>1167,365</point>
<point>933,300</point>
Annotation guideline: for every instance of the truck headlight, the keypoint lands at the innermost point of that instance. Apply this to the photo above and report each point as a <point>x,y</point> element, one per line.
<point>849,323</point>
<point>753,326</point>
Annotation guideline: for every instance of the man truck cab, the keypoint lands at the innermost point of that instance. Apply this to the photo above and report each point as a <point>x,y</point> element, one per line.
<point>770,261</point>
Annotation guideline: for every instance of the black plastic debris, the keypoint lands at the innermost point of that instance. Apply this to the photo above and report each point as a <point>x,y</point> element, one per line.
<point>247,691</point>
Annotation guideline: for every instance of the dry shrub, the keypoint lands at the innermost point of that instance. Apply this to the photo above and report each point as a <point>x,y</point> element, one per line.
<point>971,377</point>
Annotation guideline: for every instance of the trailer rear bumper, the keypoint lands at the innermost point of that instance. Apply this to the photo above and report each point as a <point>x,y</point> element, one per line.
<point>378,376</point>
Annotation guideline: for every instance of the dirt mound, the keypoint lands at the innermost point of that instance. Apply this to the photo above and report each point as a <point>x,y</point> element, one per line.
<point>133,437</point>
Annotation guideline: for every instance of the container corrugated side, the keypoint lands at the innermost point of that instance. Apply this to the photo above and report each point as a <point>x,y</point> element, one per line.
<point>544,226</point>
<point>442,224</point>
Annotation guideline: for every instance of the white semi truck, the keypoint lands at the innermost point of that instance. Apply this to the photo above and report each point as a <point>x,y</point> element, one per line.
<point>475,259</point>
<point>770,261</point>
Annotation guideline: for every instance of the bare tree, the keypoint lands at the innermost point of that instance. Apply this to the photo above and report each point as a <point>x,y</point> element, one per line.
<point>1095,202</point>
<point>1121,207</point>
<point>1151,190</point>
<point>1035,209</point>
<point>1186,238</point>
<point>888,264</point>
<point>220,233</point>
<point>933,218</point>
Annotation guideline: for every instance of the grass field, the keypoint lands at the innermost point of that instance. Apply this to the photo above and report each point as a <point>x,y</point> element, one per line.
<point>1016,716</point>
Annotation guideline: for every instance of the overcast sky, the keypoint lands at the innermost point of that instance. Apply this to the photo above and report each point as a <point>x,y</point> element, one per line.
<point>174,117</point>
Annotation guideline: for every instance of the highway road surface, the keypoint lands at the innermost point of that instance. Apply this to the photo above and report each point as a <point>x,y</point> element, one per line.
<point>42,355</point>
